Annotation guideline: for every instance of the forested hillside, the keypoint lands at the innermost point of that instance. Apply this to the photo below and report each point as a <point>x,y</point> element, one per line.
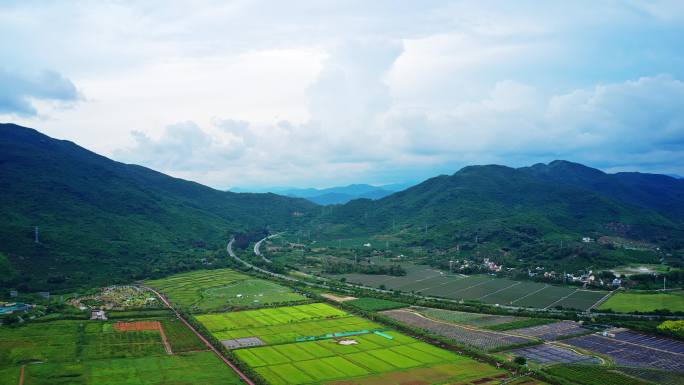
<point>517,213</point>
<point>100,220</point>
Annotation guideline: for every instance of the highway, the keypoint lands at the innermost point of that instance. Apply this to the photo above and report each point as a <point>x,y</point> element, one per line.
<point>353,286</point>
<point>257,247</point>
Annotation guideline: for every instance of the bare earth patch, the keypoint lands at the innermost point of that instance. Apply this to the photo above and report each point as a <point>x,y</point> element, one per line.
<point>336,298</point>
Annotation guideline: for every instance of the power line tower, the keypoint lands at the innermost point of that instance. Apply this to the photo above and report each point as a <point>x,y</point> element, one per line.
<point>35,235</point>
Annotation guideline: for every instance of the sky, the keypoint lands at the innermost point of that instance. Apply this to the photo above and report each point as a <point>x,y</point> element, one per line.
<point>325,93</point>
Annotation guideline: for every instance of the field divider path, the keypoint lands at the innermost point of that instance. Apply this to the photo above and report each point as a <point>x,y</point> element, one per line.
<point>603,299</point>
<point>201,337</point>
<point>22,372</point>
<point>500,290</point>
<point>560,299</point>
<point>165,341</point>
<point>433,287</point>
<point>475,285</point>
<point>529,294</point>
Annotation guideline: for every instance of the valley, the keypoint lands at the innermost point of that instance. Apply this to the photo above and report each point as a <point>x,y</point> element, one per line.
<point>490,275</point>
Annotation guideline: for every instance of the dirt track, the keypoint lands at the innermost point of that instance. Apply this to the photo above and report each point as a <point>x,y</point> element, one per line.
<point>204,340</point>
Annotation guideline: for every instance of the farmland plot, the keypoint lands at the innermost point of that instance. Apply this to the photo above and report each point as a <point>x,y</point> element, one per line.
<point>95,352</point>
<point>550,354</point>
<point>211,290</point>
<point>634,353</point>
<point>472,319</point>
<point>371,358</point>
<point>553,331</point>
<point>481,339</point>
<point>484,288</point>
<point>360,358</point>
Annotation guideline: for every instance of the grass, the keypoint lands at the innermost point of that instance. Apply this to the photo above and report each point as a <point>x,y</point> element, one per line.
<point>94,352</point>
<point>185,369</point>
<point>375,304</point>
<point>222,289</point>
<point>519,324</point>
<point>625,302</point>
<point>284,361</point>
<point>180,337</point>
<point>283,324</point>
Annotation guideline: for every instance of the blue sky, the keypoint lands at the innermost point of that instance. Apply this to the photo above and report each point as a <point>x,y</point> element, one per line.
<point>310,93</point>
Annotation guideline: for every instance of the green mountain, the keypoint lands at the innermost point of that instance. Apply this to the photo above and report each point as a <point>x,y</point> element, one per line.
<point>661,193</point>
<point>102,221</point>
<point>509,213</point>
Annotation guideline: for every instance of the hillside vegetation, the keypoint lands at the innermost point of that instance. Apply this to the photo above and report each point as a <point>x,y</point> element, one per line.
<point>103,221</point>
<point>515,214</point>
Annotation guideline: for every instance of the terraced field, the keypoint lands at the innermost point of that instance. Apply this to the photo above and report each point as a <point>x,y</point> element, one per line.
<point>492,290</point>
<point>221,289</point>
<point>364,357</point>
<point>96,352</point>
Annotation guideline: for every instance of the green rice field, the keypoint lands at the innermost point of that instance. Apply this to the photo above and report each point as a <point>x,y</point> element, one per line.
<point>375,304</point>
<point>625,302</point>
<point>367,358</point>
<point>95,352</point>
<point>222,289</point>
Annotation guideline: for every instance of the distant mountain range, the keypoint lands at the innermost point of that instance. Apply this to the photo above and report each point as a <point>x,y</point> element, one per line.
<point>333,195</point>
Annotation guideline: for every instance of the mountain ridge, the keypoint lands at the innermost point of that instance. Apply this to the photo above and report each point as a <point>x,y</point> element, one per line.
<point>125,220</point>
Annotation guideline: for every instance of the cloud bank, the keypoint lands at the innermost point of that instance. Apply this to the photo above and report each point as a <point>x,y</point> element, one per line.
<point>19,90</point>
<point>304,93</point>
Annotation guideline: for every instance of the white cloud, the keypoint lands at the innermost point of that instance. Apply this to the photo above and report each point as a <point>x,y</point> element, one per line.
<point>312,93</point>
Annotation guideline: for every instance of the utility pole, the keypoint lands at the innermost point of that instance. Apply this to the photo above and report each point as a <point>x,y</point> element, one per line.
<point>663,283</point>
<point>426,228</point>
<point>451,267</point>
<point>36,235</point>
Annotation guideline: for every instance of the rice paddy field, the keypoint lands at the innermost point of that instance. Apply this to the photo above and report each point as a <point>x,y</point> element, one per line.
<point>386,357</point>
<point>221,289</point>
<point>625,302</point>
<point>130,351</point>
<point>484,288</point>
<point>375,304</point>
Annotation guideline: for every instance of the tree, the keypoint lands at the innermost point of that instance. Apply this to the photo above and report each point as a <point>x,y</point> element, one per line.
<point>520,360</point>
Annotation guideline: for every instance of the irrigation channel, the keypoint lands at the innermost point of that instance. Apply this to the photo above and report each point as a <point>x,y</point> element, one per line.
<point>351,286</point>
